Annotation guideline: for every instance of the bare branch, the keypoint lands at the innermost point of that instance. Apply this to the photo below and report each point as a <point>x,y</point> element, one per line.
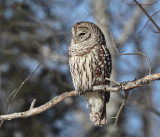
<point>149,17</point>
<point>149,62</point>
<point>15,91</point>
<point>32,104</point>
<point>125,86</point>
<point>113,81</point>
<point>143,4</point>
<point>136,53</point>
<point>147,22</point>
<point>39,109</point>
<point>121,108</point>
<point>139,53</point>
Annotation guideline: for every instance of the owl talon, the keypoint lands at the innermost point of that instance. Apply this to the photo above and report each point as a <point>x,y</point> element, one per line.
<point>81,92</point>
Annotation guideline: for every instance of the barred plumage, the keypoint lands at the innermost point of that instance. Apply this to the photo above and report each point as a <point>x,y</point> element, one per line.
<point>90,64</point>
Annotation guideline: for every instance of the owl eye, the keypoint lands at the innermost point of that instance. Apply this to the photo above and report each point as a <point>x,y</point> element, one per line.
<point>82,34</point>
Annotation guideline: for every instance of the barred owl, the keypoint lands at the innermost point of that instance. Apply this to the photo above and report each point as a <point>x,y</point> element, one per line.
<point>90,63</point>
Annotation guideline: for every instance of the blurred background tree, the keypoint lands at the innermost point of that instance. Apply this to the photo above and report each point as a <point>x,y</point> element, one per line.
<point>32,31</point>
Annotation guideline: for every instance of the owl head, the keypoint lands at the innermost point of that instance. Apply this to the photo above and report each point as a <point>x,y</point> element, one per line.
<point>85,35</point>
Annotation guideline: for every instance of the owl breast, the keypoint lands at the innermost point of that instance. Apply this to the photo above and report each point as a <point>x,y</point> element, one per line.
<point>83,70</point>
<point>89,69</point>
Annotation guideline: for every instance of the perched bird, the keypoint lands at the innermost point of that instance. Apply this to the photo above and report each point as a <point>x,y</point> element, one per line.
<point>90,63</point>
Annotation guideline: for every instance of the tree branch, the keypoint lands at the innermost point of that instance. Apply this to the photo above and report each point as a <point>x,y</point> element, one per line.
<point>149,17</point>
<point>40,109</point>
<point>121,108</point>
<point>129,84</point>
<point>124,86</point>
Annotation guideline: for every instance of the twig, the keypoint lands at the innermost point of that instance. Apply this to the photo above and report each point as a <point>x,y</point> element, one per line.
<point>15,91</point>
<point>150,18</point>
<point>111,117</point>
<point>140,53</point>
<point>147,22</point>
<point>149,62</point>
<point>39,109</point>
<point>122,42</point>
<point>32,104</point>
<point>113,81</point>
<point>143,4</point>
<point>121,108</point>
<point>137,52</point>
<point>125,86</point>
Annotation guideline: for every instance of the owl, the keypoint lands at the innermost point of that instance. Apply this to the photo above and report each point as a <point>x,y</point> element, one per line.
<point>90,63</point>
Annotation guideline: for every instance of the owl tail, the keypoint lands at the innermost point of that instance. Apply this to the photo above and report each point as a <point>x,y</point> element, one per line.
<point>97,104</point>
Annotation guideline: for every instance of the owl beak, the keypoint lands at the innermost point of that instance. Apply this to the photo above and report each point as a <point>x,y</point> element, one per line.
<point>75,40</point>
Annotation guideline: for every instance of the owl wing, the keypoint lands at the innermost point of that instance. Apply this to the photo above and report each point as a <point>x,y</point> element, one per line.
<point>97,100</point>
<point>103,65</point>
<point>107,69</point>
